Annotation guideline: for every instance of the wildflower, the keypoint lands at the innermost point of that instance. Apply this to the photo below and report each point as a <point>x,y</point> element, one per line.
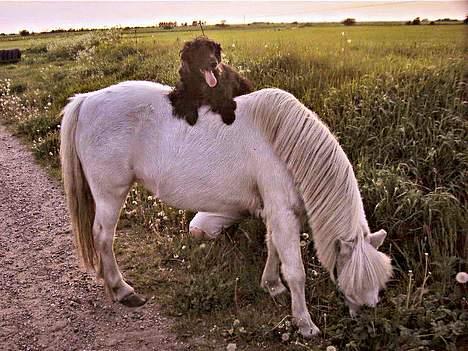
<point>285,336</point>
<point>231,347</point>
<point>233,45</point>
<point>236,323</point>
<point>165,218</point>
<point>184,247</point>
<point>305,236</point>
<point>150,198</point>
<point>303,243</point>
<point>202,246</point>
<point>349,41</point>
<point>134,202</point>
<point>331,348</point>
<point>462,277</point>
<point>181,212</point>
<point>342,34</point>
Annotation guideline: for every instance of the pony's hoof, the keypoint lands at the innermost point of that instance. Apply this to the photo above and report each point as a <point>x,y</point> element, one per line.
<point>309,331</point>
<point>133,300</point>
<point>199,234</point>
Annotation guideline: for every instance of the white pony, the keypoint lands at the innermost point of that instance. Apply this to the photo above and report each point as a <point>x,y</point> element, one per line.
<point>277,160</point>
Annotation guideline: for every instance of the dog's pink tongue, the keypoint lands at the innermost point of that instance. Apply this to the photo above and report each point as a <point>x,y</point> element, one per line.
<point>210,79</point>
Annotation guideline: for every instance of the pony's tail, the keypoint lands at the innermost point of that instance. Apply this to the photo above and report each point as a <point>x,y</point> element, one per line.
<point>81,205</point>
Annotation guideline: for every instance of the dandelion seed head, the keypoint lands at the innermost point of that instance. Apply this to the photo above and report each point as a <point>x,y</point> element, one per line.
<point>462,277</point>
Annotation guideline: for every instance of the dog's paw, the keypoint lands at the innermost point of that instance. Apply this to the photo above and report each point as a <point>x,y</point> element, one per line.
<point>191,117</point>
<point>228,117</point>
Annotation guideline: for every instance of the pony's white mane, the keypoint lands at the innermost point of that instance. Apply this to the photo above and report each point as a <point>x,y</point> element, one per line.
<point>325,179</point>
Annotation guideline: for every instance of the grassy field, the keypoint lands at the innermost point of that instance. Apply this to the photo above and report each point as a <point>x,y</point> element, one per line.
<point>396,98</point>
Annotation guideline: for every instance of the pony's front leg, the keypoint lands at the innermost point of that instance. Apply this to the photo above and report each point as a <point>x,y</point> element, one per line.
<point>105,222</point>
<point>271,280</point>
<point>285,236</point>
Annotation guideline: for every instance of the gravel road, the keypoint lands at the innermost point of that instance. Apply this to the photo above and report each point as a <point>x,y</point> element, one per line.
<point>46,302</point>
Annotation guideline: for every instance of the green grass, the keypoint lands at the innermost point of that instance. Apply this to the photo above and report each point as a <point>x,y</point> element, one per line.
<point>395,96</point>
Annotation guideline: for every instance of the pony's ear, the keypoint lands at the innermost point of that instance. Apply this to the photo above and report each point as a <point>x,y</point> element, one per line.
<point>376,239</point>
<point>345,247</point>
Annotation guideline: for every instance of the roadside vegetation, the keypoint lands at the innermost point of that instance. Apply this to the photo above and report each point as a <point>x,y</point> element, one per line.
<point>396,98</point>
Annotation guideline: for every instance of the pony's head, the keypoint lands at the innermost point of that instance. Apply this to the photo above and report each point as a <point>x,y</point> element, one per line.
<point>362,270</point>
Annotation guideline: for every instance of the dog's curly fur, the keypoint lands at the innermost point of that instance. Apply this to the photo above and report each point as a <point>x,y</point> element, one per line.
<point>192,91</point>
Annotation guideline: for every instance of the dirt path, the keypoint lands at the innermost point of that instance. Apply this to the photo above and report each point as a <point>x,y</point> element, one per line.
<point>46,303</point>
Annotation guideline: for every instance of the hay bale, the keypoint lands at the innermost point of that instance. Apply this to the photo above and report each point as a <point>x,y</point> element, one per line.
<point>10,56</point>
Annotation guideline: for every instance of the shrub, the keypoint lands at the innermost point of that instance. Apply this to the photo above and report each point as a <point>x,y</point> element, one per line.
<point>349,22</point>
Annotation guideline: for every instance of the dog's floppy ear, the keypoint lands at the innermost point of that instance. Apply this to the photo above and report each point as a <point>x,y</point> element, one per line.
<point>184,69</point>
<point>185,52</point>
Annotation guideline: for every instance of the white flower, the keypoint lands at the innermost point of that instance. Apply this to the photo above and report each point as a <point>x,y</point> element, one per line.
<point>349,41</point>
<point>231,347</point>
<point>285,336</point>
<point>342,34</point>
<point>331,348</point>
<point>462,277</point>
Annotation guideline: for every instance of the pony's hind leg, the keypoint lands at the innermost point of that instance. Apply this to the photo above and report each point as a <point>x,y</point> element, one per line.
<point>271,280</point>
<point>108,205</point>
<point>285,227</point>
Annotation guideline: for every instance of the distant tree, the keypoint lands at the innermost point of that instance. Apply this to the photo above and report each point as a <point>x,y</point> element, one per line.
<point>432,23</point>
<point>24,33</point>
<point>349,22</point>
<point>466,20</point>
<point>416,21</point>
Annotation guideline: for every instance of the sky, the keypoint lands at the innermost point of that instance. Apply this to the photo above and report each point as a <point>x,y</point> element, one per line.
<point>46,15</point>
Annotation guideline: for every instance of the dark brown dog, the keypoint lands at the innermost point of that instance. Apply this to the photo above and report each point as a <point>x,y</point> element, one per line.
<point>205,80</point>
